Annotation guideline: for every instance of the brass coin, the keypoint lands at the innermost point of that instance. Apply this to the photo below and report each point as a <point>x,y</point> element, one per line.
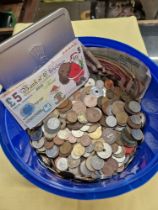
<point>93,114</point>
<point>78,149</point>
<point>65,148</point>
<point>122,118</point>
<point>71,116</point>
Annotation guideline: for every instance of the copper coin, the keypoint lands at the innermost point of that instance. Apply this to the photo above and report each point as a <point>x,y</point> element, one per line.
<point>85,140</point>
<point>65,148</point>
<point>75,126</point>
<point>93,114</point>
<point>122,118</point>
<point>67,108</point>
<point>118,106</point>
<point>109,135</point>
<point>71,116</point>
<point>104,106</point>
<point>93,127</point>
<point>101,100</point>
<point>110,94</point>
<point>112,163</point>
<point>125,96</point>
<point>107,170</point>
<point>90,100</point>
<point>102,121</point>
<point>63,104</point>
<point>48,144</point>
<point>109,84</point>
<point>58,141</point>
<point>98,146</point>
<point>79,107</point>
<point>117,91</point>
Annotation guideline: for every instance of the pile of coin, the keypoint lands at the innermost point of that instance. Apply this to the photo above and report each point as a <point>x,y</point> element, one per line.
<point>92,135</point>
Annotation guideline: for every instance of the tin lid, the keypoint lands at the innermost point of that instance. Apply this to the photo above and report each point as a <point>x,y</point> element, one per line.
<point>27,51</point>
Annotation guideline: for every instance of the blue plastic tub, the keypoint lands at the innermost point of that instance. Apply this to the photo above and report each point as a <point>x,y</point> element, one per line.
<point>15,144</point>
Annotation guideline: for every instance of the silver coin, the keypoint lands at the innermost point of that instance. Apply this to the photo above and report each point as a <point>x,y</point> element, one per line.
<point>134,106</point>
<point>106,153</point>
<point>53,152</point>
<point>89,148</point>
<point>88,163</point>
<point>137,134</point>
<point>136,119</point>
<point>119,160</point>
<point>84,170</point>
<point>73,163</point>
<point>75,171</point>
<point>109,135</point>
<point>35,134</point>
<point>109,110</point>
<point>99,84</point>
<point>97,163</point>
<point>52,125</point>
<point>143,118</point>
<point>97,91</point>
<point>96,175</point>
<point>111,121</point>
<point>61,164</point>
<point>38,144</point>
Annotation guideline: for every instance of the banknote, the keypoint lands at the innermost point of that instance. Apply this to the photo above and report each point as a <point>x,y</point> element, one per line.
<point>32,99</point>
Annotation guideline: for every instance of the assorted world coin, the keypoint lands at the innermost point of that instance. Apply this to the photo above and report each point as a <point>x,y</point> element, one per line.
<point>92,135</point>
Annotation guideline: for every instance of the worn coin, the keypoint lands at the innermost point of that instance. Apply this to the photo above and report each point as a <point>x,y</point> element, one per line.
<point>122,118</point>
<point>58,141</point>
<point>78,149</point>
<point>38,144</point>
<point>48,144</point>
<point>96,134</point>
<point>111,121</point>
<point>53,152</point>
<point>97,92</point>
<point>109,84</point>
<point>85,140</point>
<point>79,107</point>
<point>89,163</point>
<point>77,133</point>
<point>134,106</point>
<point>93,114</point>
<point>82,118</point>
<point>71,116</point>
<point>62,123</point>
<point>97,163</point>
<point>90,100</point>
<point>99,84</point>
<point>109,135</point>
<point>85,128</point>
<point>65,148</point>
<point>61,163</point>
<point>64,134</point>
<point>73,163</point>
<point>98,146</point>
<point>137,134</point>
<point>35,134</point>
<point>52,125</point>
<point>84,170</point>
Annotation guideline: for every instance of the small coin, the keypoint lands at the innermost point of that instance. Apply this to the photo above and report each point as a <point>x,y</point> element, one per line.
<point>64,134</point>
<point>99,84</point>
<point>118,106</point>
<point>93,114</point>
<point>85,128</point>
<point>137,134</point>
<point>63,104</point>
<point>90,82</point>
<point>52,125</point>
<point>73,163</point>
<point>122,118</point>
<point>62,123</point>
<point>77,133</point>
<point>96,134</point>
<point>109,84</point>
<point>78,149</point>
<point>58,141</point>
<point>53,152</point>
<point>71,116</point>
<point>35,134</point>
<point>97,163</point>
<point>88,163</point>
<point>72,139</point>
<point>97,92</point>
<point>85,140</point>
<point>82,118</point>
<point>134,106</point>
<point>111,121</point>
<point>65,148</point>
<point>89,148</point>
<point>48,144</point>
<point>61,163</point>
<point>98,146</point>
<point>74,126</point>
<point>90,100</point>
<point>110,94</point>
<point>67,108</point>
<point>79,107</point>
<point>93,127</point>
<point>84,170</point>
<point>109,135</point>
<point>106,153</point>
<point>38,144</point>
